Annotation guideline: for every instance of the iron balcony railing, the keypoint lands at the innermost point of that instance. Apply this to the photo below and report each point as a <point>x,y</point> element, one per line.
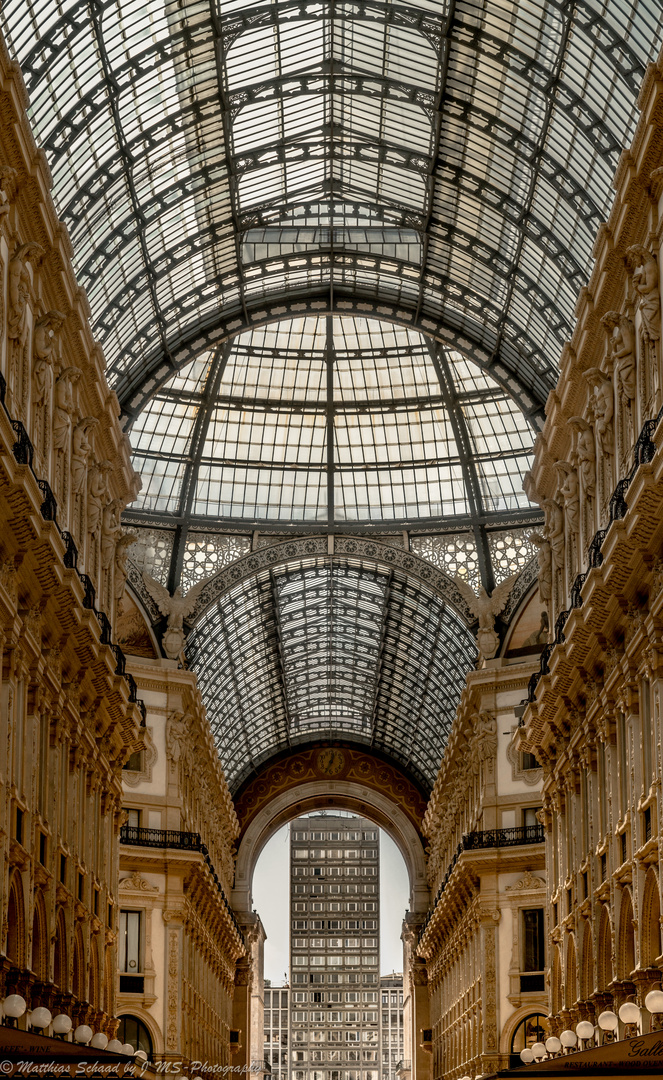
<point>488,838</point>
<point>134,835</point>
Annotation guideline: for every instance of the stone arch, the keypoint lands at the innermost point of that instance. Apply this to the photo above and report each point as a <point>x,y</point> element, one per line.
<point>79,965</point>
<point>556,983</point>
<point>140,1013</point>
<point>626,938</point>
<point>513,1023</point>
<point>60,969</point>
<point>570,976</point>
<point>604,965</point>
<point>40,938</point>
<point>15,948</point>
<point>587,964</point>
<point>326,794</point>
<point>650,941</point>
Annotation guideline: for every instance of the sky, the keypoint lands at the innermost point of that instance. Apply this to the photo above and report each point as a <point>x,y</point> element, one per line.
<point>272,902</point>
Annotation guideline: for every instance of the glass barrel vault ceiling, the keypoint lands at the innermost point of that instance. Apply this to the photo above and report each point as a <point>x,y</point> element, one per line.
<point>331,648</point>
<point>217,160</point>
<point>331,420</point>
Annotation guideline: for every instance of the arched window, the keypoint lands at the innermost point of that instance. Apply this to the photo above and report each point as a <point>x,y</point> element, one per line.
<point>79,966</point>
<point>132,1030</point>
<point>16,922</point>
<point>626,954</point>
<point>605,951</point>
<point>570,981</point>
<point>93,991</point>
<point>651,920</point>
<point>39,939</point>
<point>557,1001</point>
<point>60,976</point>
<point>531,1029</point>
<point>587,977</point>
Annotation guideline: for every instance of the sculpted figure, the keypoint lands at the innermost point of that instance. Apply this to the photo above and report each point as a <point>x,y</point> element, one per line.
<point>585,453</point>
<point>486,608</point>
<point>176,607</point>
<point>642,265</point>
<point>7,174</point>
<point>45,349</point>
<point>621,333</point>
<point>177,730</point>
<point>567,490</point>
<point>544,559</point>
<point>19,290</point>
<point>65,406</point>
<point>111,531</point>
<point>485,735</point>
<point>555,531</point>
<point>97,490</point>
<point>122,546</point>
<point>80,451</point>
<point>602,408</point>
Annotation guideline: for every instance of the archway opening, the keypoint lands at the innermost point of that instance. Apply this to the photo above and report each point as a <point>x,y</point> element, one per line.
<point>332,889</point>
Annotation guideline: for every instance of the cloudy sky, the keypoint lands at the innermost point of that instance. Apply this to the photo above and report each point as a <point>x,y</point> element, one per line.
<point>271,901</point>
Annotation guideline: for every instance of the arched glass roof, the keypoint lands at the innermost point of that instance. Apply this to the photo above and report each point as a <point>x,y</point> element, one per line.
<point>331,420</point>
<point>446,162</point>
<point>331,647</point>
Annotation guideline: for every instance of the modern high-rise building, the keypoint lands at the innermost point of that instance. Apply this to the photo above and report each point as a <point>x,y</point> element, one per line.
<point>391,1024</point>
<point>334,948</point>
<point>277,1015</point>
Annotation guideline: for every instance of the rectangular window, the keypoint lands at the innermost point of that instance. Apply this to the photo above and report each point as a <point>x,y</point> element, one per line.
<point>645,702</point>
<point>130,952</point>
<point>533,940</point>
<point>129,943</point>
<point>646,823</point>
<point>133,818</point>
<point>622,763</point>
<point>42,848</point>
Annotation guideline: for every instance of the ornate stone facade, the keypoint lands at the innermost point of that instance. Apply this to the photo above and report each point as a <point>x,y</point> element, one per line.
<point>68,716</point>
<point>594,720</point>
<point>482,851</point>
<point>176,875</point>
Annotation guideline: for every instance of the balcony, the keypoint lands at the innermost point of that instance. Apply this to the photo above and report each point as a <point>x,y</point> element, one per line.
<point>135,836</point>
<point>488,838</point>
<point>514,837</point>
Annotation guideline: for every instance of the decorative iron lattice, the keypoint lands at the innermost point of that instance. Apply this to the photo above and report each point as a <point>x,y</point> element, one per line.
<point>455,553</point>
<point>205,553</point>
<point>510,551</point>
<point>152,552</point>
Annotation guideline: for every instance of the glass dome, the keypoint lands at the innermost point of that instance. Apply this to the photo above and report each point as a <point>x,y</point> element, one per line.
<point>325,420</point>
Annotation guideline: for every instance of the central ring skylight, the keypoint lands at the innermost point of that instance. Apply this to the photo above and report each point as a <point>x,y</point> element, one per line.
<point>331,420</point>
